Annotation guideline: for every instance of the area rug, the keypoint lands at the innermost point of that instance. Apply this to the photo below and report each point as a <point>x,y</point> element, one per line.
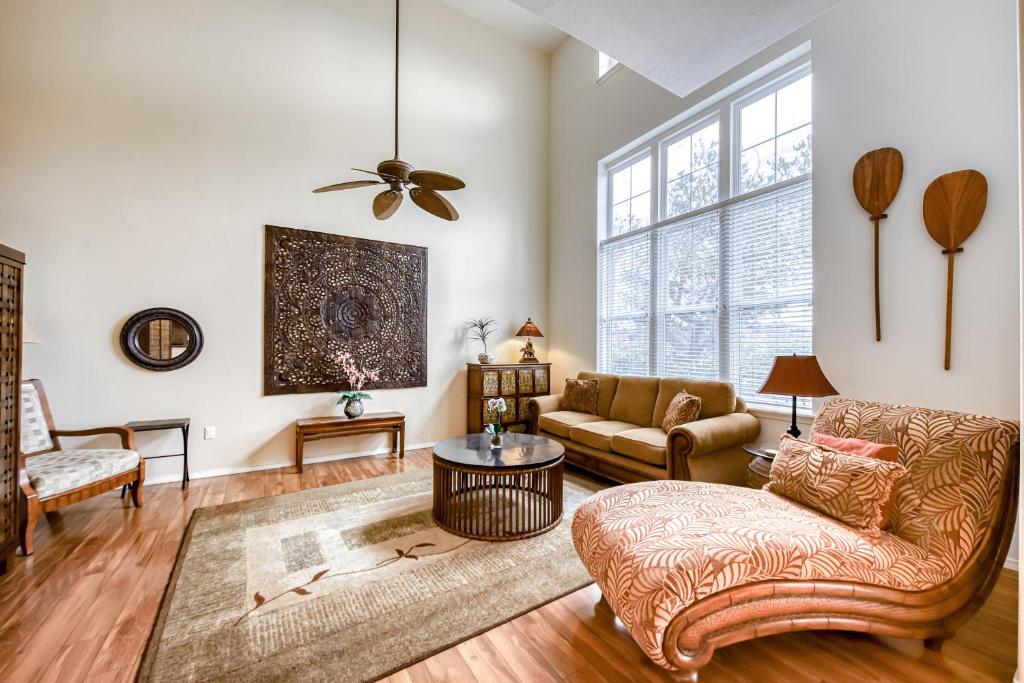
<point>344,583</point>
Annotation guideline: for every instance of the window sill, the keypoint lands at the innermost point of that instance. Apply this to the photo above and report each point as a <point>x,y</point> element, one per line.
<point>782,414</point>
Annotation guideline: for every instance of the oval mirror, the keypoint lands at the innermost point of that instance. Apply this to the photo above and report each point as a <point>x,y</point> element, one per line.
<point>161,339</point>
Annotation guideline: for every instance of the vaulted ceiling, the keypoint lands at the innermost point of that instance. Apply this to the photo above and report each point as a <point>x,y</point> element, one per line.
<point>678,44</point>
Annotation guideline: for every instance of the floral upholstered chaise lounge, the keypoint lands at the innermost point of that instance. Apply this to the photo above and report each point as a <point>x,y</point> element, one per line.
<point>689,566</point>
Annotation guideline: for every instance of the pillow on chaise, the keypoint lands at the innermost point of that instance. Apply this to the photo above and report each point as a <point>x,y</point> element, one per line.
<point>580,395</point>
<point>868,449</point>
<point>683,408</point>
<point>850,488</point>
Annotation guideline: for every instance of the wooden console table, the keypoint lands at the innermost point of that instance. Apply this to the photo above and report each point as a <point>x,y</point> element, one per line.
<point>316,428</point>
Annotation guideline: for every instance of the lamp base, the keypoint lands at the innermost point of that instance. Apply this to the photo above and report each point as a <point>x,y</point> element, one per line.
<point>793,430</point>
<point>528,355</point>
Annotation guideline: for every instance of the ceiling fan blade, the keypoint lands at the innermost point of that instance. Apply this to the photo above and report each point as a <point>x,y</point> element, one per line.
<point>432,202</point>
<point>349,185</point>
<point>434,180</point>
<point>386,203</point>
<point>385,176</point>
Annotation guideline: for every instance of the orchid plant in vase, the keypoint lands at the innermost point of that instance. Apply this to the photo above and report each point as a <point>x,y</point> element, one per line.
<point>357,378</point>
<point>498,407</point>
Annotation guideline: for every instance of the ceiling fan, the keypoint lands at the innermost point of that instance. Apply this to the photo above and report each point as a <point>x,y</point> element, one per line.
<point>399,175</point>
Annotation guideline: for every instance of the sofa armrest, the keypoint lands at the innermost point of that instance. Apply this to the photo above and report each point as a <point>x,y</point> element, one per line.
<point>707,436</point>
<point>539,405</point>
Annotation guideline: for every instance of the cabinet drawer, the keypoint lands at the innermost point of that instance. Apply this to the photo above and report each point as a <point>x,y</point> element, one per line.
<point>508,382</point>
<point>489,379</point>
<point>526,381</point>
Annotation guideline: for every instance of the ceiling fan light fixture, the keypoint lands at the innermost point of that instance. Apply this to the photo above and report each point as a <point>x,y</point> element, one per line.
<point>423,186</point>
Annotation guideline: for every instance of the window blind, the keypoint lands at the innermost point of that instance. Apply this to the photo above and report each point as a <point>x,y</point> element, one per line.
<point>625,306</point>
<point>769,287</point>
<point>716,295</point>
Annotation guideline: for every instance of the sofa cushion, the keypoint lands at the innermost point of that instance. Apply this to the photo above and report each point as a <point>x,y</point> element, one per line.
<point>53,473</point>
<point>717,398</point>
<point>646,444</point>
<point>599,434</point>
<point>656,548</point>
<point>560,421</point>
<point>685,407</point>
<point>580,395</point>
<point>844,486</point>
<point>634,400</point>
<point>607,385</point>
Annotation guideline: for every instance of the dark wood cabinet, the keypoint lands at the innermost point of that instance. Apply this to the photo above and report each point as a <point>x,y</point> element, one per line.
<point>514,382</point>
<point>12,264</point>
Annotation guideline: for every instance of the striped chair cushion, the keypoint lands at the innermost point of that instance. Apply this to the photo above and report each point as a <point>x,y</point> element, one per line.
<point>53,473</point>
<point>35,434</point>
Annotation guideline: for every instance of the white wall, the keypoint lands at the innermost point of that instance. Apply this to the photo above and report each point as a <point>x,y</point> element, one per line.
<point>948,103</point>
<point>935,78</point>
<point>144,145</point>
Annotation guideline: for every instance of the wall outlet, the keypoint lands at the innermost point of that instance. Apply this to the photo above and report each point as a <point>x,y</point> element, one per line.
<point>209,432</point>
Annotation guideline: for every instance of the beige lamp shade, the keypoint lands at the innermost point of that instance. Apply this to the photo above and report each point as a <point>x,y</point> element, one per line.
<point>529,329</point>
<point>27,335</point>
<point>797,376</point>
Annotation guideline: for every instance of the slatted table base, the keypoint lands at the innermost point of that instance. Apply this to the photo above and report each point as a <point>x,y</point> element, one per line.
<point>491,504</point>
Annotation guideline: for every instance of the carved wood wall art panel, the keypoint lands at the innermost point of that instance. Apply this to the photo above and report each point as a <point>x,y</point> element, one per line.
<point>324,294</point>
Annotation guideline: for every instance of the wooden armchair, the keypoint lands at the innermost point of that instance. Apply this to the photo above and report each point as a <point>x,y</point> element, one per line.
<point>52,478</point>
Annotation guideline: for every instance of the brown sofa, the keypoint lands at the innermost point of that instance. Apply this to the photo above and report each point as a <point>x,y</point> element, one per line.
<point>624,441</point>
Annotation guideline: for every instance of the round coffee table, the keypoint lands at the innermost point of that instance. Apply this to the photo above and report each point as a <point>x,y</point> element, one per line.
<point>498,494</point>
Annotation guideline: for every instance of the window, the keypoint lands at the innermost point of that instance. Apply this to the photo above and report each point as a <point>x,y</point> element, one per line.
<point>705,261</point>
<point>691,172</point>
<point>775,135</point>
<point>631,196</point>
<point>605,64</point>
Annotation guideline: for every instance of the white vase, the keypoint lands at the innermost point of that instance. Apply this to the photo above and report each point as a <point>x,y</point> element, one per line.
<point>485,358</point>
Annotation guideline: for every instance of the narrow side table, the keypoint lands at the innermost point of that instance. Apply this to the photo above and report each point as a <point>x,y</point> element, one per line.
<point>316,428</point>
<point>181,423</point>
<point>759,469</point>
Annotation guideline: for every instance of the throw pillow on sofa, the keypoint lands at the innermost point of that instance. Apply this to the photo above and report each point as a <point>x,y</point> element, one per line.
<point>683,408</point>
<point>580,395</point>
<point>869,449</point>
<point>850,488</point>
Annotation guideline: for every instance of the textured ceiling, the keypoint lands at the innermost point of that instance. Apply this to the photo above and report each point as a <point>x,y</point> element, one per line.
<point>678,44</point>
<point>511,20</point>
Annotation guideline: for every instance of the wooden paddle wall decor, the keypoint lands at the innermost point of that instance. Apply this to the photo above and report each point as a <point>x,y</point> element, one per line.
<point>876,180</point>
<point>953,206</point>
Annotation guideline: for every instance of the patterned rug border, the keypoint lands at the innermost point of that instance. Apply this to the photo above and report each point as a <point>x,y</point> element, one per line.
<point>198,514</point>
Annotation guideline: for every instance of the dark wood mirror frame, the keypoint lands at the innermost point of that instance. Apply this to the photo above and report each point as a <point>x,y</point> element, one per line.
<point>133,327</point>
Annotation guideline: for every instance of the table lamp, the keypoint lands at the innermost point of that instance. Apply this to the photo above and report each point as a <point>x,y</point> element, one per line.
<point>528,330</point>
<point>797,376</point>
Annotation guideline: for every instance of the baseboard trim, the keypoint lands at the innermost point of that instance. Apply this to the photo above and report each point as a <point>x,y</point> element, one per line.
<point>242,469</point>
<point>1012,563</point>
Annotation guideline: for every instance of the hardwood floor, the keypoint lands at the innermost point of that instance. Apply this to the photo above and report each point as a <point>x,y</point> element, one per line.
<point>82,606</point>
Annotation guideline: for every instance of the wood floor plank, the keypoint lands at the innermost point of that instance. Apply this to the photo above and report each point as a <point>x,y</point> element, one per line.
<point>81,608</point>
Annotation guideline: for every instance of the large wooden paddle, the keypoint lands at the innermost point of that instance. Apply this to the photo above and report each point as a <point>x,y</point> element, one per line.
<point>953,206</point>
<point>876,180</point>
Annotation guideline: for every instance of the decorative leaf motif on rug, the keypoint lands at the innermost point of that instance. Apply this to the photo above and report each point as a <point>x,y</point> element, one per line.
<point>302,589</point>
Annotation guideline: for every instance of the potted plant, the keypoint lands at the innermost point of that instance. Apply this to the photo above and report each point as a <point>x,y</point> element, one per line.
<point>357,378</point>
<point>498,407</point>
<point>480,329</point>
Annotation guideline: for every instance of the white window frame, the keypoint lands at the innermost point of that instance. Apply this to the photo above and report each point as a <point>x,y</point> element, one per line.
<point>727,112</point>
<point>606,74</point>
<point>757,91</point>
